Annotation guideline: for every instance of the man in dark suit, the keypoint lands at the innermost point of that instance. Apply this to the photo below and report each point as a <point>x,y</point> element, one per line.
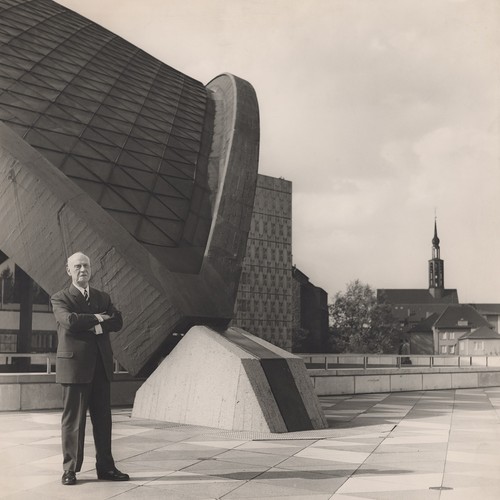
<point>84,366</point>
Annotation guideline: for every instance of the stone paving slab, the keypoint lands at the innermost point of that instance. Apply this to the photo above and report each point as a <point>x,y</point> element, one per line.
<point>435,445</point>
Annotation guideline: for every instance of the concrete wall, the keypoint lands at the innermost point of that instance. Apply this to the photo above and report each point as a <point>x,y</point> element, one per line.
<point>337,382</point>
<point>37,392</point>
<point>40,392</point>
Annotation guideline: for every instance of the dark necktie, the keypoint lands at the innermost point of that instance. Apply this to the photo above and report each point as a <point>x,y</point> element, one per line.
<point>87,299</point>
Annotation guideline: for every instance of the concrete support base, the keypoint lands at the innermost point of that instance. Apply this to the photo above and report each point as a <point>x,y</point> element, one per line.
<point>231,380</point>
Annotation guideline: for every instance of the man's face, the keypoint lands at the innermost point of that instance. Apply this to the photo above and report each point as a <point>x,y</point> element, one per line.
<point>78,268</point>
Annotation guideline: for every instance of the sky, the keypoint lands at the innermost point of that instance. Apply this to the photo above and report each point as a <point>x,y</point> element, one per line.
<point>382,113</point>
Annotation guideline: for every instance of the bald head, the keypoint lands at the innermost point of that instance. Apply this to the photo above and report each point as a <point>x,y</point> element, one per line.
<point>78,267</point>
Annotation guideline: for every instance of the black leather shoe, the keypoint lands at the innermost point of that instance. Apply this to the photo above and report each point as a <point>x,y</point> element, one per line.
<point>113,475</point>
<point>68,478</point>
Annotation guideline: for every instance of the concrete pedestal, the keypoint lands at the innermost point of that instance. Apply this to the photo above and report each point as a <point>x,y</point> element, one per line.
<point>231,380</point>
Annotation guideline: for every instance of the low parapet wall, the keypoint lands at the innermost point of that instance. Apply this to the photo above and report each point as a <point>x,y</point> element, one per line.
<point>40,392</point>
<point>357,381</point>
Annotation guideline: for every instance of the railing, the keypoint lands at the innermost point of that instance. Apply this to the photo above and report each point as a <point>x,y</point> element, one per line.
<point>371,361</point>
<point>39,363</point>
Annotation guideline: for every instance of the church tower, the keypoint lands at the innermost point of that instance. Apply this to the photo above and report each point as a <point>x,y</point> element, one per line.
<point>436,268</point>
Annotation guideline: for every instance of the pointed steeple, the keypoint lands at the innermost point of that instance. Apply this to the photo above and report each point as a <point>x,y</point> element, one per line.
<point>436,267</point>
<point>435,241</point>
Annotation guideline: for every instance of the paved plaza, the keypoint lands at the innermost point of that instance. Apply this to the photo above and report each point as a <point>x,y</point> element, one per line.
<point>414,445</point>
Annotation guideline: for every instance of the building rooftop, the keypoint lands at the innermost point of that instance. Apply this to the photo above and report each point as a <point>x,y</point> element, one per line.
<point>460,316</point>
<point>481,333</point>
<point>425,325</point>
<point>487,308</point>
<point>416,296</point>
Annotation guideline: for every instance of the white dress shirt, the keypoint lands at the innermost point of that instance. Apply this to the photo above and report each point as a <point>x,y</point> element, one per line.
<point>97,328</point>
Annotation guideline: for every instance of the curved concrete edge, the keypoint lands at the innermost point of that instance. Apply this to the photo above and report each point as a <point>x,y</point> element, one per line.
<point>215,380</point>
<point>233,165</point>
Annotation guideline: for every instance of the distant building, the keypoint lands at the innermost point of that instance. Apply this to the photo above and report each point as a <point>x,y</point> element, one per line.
<point>440,333</point>
<point>480,342</point>
<point>310,314</point>
<point>276,301</point>
<point>491,312</point>
<point>452,324</point>
<point>264,300</point>
<point>433,319</point>
<point>411,306</point>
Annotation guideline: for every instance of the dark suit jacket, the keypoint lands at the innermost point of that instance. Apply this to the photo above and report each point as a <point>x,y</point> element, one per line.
<point>78,345</point>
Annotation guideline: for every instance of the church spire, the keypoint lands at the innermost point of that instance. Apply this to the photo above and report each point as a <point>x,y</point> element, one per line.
<point>435,241</point>
<point>436,267</point>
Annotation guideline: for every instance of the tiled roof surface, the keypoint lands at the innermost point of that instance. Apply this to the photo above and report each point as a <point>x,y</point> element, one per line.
<point>481,333</point>
<point>127,128</point>
<point>487,308</point>
<point>425,325</point>
<point>454,315</point>
<point>416,296</point>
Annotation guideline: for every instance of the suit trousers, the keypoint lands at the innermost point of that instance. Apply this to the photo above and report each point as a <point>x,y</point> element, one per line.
<point>77,399</point>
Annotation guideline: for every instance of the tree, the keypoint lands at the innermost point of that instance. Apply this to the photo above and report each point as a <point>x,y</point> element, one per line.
<point>301,341</point>
<point>361,324</point>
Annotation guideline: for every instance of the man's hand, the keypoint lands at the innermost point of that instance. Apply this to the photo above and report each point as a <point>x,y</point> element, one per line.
<point>104,316</point>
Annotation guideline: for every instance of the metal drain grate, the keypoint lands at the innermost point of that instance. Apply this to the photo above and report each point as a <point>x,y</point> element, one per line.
<point>303,435</point>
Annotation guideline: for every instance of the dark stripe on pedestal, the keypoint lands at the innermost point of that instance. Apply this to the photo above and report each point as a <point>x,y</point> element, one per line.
<point>280,379</point>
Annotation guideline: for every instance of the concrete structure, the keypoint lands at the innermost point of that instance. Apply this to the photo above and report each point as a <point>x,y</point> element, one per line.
<point>231,380</point>
<point>40,392</point>
<point>107,150</point>
<point>356,381</point>
<point>274,301</point>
